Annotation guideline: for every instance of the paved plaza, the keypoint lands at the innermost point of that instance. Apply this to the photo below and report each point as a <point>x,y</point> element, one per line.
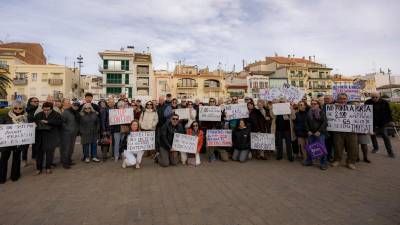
<point>256,192</point>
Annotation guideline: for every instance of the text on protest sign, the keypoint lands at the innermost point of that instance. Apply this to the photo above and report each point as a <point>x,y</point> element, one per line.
<point>219,138</point>
<point>141,141</point>
<point>120,116</point>
<point>350,118</point>
<point>236,111</point>
<point>17,134</point>
<point>281,108</point>
<point>185,143</point>
<point>210,113</point>
<point>352,91</point>
<point>292,94</point>
<point>182,113</point>
<point>262,141</point>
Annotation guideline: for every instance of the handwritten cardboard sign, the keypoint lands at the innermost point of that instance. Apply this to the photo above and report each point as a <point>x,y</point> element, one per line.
<point>120,116</point>
<point>17,134</point>
<point>350,118</point>
<point>281,108</point>
<point>236,111</point>
<point>185,143</point>
<point>183,113</point>
<point>262,141</point>
<point>141,141</point>
<point>210,113</point>
<point>219,138</point>
<point>352,91</point>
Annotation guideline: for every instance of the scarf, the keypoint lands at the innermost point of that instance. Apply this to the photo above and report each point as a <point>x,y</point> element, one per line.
<point>195,132</point>
<point>316,113</point>
<point>21,118</point>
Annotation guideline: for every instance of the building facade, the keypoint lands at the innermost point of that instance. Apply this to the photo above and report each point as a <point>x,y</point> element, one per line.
<point>236,84</point>
<point>93,84</point>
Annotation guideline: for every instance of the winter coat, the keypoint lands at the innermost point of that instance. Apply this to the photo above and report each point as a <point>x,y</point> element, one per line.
<point>241,139</point>
<point>200,136</point>
<point>89,124</point>
<point>48,134</point>
<point>70,123</point>
<point>382,114</point>
<point>104,121</point>
<point>290,117</point>
<point>313,124</point>
<point>148,120</point>
<point>256,121</point>
<point>167,134</point>
<point>300,124</point>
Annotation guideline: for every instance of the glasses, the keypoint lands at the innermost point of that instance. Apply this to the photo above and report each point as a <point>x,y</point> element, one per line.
<point>195,125</point>
<point>212,101</point>
<point>86,108</point>
<point>175,119</point>
<point>34,101</point>
<point>19,108</point>
<point>150,104</point>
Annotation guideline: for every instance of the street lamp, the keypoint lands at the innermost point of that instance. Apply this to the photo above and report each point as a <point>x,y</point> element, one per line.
<point>80,61</point>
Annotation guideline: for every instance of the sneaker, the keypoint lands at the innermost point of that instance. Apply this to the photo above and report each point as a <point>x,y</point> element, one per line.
<point>95,159</point>
<point>116,159</point>
<point>137,166</point>
<point>351,166</point>
<point>87,160</point>
<point>391,155</point>
<point>375,150</point>
<point>335,163</point>
<point>124,164</point>
<point>324,167</point>
<point>24,163</point>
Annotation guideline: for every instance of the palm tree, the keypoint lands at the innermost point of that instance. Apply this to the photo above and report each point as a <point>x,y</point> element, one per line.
<point>5,80</point>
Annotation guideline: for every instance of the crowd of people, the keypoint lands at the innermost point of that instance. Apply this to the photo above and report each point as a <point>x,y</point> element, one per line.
<point>60,122</point>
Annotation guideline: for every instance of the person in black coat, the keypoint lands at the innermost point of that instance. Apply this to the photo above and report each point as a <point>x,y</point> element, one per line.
<point>48,126</point>
<point>31,107</point>
<point>241,142</point>
<point>382,116</point>
<point>166,156</point>
<point>16,115</point>
<point>69,131</point>
<point>257,124</point>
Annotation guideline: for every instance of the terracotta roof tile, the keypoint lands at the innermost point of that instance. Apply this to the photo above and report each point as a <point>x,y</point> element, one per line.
<point>34,53</point>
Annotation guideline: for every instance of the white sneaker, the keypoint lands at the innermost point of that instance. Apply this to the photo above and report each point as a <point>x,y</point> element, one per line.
<point>124,164</point>
<point>137,166</point>
<point>351,166</point>
<point>87,160</point>
<point>95,160</point>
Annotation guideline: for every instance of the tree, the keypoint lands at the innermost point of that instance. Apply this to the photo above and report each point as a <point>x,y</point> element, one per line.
<point>5,80</point>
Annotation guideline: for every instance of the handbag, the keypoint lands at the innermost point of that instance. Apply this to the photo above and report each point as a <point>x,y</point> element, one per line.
<point>105,140</point>
<point>316,149</point>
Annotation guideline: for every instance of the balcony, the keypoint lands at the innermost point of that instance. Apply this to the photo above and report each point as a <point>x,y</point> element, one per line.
<point>187,86</point>
<point>319,87</point>
<point>4,66</point>
<point>319,76</point>
<point>207,89</point>
<point>142,74</point>
<point>297,75</point>
<point>142,85</point>
<point>20,81</point>
<point>103,68</point>
<point>55,81</point>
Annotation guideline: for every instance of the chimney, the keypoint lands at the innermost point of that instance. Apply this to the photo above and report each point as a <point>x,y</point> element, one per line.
<point>304,57</point>
<point>309,58</point>
<point>313,58</point>
<point>288,56</point>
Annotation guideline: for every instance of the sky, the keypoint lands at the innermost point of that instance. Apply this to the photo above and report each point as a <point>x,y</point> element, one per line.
<point>350,36</point>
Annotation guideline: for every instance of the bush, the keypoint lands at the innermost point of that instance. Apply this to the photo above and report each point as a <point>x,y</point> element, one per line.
<point>395,107</point>
<point>3,112</point>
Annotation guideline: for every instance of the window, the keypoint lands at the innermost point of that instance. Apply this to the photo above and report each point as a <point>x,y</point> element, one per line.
<point>105,64</point>
<point>113,78</point>
<point>142,69</point>
<point>124,64</point>
<point>126,78</point>
<point>44,77</point>
<point>114,90</point>
<point>187,82</point>
<point>114,64</point>
<point>211,83</point>
<point>34,76</point>
<point>129,92</point>
<point>293,83</point>
<point>301,83</point>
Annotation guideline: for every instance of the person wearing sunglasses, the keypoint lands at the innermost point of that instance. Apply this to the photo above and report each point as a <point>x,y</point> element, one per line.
<point>48,126</point>
<point>167,156</point>
<point>382,117</point>
<point>194,159</point>
<point>89,124</point>
<point>170,109</point>
<point>16,115</point>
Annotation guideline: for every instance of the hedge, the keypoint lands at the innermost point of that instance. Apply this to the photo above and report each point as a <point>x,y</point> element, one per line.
<point>395,107</point>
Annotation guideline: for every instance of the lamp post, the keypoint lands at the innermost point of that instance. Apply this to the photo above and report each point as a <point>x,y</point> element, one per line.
<point>80,61</point>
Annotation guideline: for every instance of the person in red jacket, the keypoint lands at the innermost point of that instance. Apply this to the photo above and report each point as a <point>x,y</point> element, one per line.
<point>195,131</point>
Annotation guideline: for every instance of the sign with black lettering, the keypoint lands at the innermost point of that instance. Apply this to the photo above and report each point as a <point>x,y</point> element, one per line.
<point>350,118</point>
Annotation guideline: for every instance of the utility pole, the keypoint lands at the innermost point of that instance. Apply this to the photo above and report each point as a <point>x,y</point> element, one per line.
<point>80,61</point>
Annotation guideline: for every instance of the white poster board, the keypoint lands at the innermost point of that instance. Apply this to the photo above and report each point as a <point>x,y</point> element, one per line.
<point>185,143</point>
<point>17,134</point>
<point>350,118</point>
<point>120,116</point>
<point>281,108</point>
<point>352,91</point>
<point>182,113</point>
<point>141,141</point>
<point>236,111</point>
<point>210,113</point>
<point>291,93</point>
<point>262,141</point>
<point>219,138</point>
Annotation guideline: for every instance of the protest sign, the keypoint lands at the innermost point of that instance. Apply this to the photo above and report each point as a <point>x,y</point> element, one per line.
<point>352,91</point>
<point>281,108</point>
<point>262,141</point>
<point>120,116</point>
<point>291,93</point>
<point>141,141</point>
<point>182,113</point>
<point>350,118</point>
<point>17,134</point>
<point>210,113</point>
<point>185,143</point>
<point>219,138</point>
<point>236,111</point>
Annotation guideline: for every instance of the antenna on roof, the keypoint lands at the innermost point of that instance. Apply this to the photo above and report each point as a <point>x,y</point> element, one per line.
<point>148,49</point>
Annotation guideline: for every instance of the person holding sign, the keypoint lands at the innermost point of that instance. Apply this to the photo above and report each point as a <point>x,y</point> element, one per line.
<point>345,140</point>
<point>316,124</point>
<point>149,120</point>
<point>16,115</point>
<point>257,123</point>
<point>241,142</point>
<point>194,130</point>
<point>131,158</point>
<point>167,155</point>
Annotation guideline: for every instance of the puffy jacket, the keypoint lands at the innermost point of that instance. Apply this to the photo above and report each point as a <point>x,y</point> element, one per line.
<point>200,136</point>
<point>241,139</point>
<point>167,134</point>
<point>148,120</point>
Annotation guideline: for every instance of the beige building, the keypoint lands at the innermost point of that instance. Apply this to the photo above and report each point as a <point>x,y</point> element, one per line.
<point>32,77</point>
<point>126,71</point>
<point>236,84</point>
<point>93,84</point>
<point>162,83</point>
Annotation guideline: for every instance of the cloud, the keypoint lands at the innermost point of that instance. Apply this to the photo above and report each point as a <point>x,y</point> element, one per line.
<point>351,36</point>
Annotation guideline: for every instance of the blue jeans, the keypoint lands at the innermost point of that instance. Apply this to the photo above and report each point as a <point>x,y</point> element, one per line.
<point>311,139</point>
<point>93,150</point>
<point>117,140</point>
